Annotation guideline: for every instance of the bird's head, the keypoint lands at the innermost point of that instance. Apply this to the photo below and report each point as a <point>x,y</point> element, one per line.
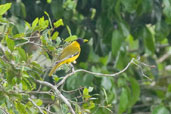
<point>81,41</point>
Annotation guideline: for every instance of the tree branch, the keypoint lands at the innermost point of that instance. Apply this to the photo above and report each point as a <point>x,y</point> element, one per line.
<point>36,105</point>
<point>94,73</point>
<point>58,93</point>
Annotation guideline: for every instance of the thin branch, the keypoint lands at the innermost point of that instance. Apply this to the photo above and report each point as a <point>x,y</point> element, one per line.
<point>36,105</point>
<point>58,93</point>
<point>72,91</point>
<point>94,73</point>
<point>2,109</point>
<point>164,57</point>
<point>39,92</point>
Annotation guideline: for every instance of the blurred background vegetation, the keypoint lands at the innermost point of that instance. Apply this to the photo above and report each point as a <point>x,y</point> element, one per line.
<point>117,30</point>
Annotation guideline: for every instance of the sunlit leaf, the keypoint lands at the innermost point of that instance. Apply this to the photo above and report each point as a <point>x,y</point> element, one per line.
<point>10,43</point>
<point>58,23</point>
<point>22,53</point>
<point>55,35</point>
<point>71,38</point>
<point>4,8</point>
<point>21,107</point>
<point>35,22</point>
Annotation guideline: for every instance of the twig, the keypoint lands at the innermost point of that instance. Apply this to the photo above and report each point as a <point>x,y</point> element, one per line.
<point>94,73</point>
<point>36,105</point>
<point>65,100</point>
<point>39,92</point>
<point>164,57</point>
<point>5,112</point>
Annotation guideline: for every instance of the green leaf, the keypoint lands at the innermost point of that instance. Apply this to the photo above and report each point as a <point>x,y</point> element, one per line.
<point>56,78</point>
<point>123,104</point>
<point>10,43</point>
<point>55,35</point>
<point>35,22</point>
<point>49,1</point>
<point>167,11</point>
<point>58,23</point>
<point>71,38</point>
<point>129,5</point>
<point>89,105</point>
<point>4,8</point>
<point>22,53</point>
<point>21,107</point>
<point>20,35</point>
<point>38,102</point>
<point>69,30</point>
<point>161,30</point>
<point>135,91</point>
<point>43,24</point>
<point>117,39</point>
<point>26,84</point>
<point>27,24</point>
<point>148,39</point>
<point>160,110</point>
<point>86,93</point>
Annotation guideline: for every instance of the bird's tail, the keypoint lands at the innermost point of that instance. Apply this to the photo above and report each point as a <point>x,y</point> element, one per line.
<point>55,67</point>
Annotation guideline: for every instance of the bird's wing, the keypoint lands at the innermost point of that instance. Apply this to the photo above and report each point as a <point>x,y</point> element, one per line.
<point>72,50</point>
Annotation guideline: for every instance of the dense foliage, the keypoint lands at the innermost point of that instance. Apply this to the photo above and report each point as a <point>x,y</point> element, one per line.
<point>33,33</point>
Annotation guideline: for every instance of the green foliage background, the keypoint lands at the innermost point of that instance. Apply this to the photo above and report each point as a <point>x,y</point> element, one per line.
<point>117,30</point>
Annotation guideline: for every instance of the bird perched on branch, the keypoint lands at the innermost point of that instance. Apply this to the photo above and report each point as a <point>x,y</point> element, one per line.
<point>69,54</point>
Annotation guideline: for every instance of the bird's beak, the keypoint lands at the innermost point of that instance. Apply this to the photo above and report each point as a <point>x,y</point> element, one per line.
<point>85,40</point>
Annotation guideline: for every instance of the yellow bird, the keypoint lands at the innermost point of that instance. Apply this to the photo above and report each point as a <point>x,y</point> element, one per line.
<point>69,54</point>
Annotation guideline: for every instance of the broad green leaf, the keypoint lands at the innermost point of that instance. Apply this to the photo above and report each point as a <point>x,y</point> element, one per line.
<point>4,8</point>
<point>167,10</point>
<point>160,110</point>
<point>148,39</point>
<point>10,43</point>
<point>53,97</point>
<point>43,24</point>
<point>117,8</point>
<point>86,93</point>
<point>117,39</point>
<point>58,23</point>
<point>27,24</point>
<point>26,84</point>
<point>22,53</point>
<point>56,78</point>
<point>89,105</point>
<point>23,9</point>
<point>49,1</point>
<point>161,30</point>
<point>135,91</point>
<point>35,22</point>
<point>21,107</point>
<point>121,59</point>
<point>55,35</point>
<point>38,102</point>
<point>123,104</point>
<point>20,35</point>
<point>121,82</point>
<point>124,28</point>
<point>71,38</point>
<point>129,5</point>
